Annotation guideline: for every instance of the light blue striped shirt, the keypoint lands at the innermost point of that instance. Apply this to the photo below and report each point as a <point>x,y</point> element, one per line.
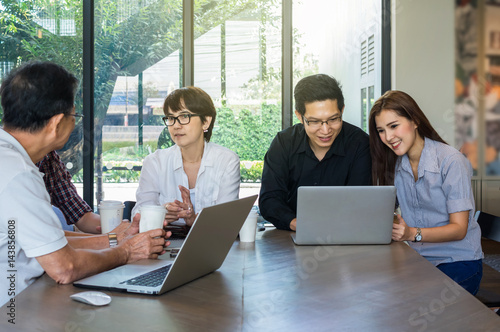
<point>443,187</point>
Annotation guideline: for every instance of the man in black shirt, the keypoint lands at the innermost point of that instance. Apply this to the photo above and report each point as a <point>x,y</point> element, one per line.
<point>322,150</point>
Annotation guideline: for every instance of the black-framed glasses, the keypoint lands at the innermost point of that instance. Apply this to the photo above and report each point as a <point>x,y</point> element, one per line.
<point>76,115</point>
<point>318,123</point>
<point>183,119</point>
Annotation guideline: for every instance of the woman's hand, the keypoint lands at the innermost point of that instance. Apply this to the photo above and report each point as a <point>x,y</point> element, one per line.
<point>173,209</point>
<point>400,230</point>
<point>178,209</point>
<point>187,212</point>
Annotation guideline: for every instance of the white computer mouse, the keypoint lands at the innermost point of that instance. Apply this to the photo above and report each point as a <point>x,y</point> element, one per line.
<point>92,298</point>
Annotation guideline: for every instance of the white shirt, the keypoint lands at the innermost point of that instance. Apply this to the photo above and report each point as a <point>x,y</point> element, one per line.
<point>218,179</point>
<point>28,226</point>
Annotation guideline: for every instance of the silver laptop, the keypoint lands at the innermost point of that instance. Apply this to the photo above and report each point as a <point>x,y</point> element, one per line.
<point>344,215</point>
<point>203,251</point>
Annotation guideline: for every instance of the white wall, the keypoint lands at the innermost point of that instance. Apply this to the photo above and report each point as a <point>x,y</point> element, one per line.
<point>423,58</point>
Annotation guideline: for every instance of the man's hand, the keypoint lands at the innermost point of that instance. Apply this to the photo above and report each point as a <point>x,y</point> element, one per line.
<point>149,244</point>
<point>293,224</point>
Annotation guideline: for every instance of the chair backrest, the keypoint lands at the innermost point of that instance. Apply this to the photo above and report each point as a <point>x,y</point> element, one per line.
<point>490,225</point>
<point>127,211</point>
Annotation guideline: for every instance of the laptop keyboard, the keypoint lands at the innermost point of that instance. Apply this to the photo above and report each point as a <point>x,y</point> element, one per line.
<point>150,279</point>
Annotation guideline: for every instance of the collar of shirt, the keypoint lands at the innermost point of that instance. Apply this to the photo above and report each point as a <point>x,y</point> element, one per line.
<point>428,162</point>
<point>337,147</point>
<point>9,139</point>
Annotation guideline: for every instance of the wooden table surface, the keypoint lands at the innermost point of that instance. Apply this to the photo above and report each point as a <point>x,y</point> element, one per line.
<point>272,285</point>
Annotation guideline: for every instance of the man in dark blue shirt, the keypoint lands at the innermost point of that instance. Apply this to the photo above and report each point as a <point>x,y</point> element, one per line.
<point>322,150</point>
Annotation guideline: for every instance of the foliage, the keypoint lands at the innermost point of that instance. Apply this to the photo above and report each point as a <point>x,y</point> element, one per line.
<point>129,37</point>
<point>117,176</point>
<point>247,133</point>
<point>253,173</point>
<point>126,150</point>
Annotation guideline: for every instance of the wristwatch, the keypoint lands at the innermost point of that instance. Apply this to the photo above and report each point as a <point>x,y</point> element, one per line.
<point>113,240</point>
<point>418,236</point>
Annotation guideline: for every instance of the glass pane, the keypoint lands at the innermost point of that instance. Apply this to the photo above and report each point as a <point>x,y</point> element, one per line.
<point>137,46</point>
<point>341,39</point>
<point>238,63</point>
<point>46,31</point>
<point>364,109</point>
<point>371,97</point>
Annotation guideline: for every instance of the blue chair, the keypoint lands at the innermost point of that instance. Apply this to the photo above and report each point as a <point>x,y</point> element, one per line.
<point>60,215</point>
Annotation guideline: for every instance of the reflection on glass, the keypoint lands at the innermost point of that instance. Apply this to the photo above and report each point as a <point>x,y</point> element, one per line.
<point>364,110</point>
<point>341,39</point>
<point>137,63</point>
<point>46,31</point>
<point>238,63</point>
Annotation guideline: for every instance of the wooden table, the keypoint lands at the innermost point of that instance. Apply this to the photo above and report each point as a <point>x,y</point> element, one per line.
<point>273,285</point>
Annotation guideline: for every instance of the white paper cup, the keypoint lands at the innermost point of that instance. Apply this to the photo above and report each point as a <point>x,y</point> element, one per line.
<point>108,203</point>
<point>249,228</point>
<point>111,216</point>
<point>152,217</point>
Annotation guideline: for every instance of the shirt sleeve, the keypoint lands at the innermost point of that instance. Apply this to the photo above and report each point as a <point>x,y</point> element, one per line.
<point>274,190</point>
<point>38,230</point>
<point>148,191</point>
<point>62,191</point>
<point>456,172</point>
<point>361,168</point>
<point>229,186</point>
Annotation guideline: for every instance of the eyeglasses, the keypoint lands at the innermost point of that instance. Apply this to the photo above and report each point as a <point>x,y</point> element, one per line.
<point>183,119</point>
<point>318,123</point>
<point>76,115</point>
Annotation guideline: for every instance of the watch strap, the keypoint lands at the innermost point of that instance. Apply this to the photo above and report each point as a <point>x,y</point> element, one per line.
<point>113,240</point>
<point>418,235</point>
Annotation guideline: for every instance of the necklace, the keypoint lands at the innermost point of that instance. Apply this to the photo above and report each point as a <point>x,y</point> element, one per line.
<point>191,162</point>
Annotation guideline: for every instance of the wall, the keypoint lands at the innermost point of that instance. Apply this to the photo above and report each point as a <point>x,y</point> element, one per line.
<point>423,58</point>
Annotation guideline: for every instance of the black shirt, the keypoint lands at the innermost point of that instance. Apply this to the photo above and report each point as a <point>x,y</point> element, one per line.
<point>290,163</point>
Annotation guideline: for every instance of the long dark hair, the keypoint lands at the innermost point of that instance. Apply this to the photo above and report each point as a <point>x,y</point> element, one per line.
<point>383,158</point>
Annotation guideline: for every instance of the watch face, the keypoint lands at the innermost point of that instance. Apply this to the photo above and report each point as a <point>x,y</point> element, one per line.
<point>418,238</point>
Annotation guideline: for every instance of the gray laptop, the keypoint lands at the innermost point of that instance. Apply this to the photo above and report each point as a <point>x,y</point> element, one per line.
<point>203,251</point>
<point>344,215</point>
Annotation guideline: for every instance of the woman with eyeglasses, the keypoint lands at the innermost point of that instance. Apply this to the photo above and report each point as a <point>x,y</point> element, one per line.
<point>433,182</point>
<point>193,173</point>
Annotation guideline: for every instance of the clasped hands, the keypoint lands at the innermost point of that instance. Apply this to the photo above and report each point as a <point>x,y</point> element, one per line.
<point>178,209</point>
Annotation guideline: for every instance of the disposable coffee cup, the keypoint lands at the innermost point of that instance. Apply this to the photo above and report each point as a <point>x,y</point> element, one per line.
<point>249,228</point>
<point>108,203</point>
<point>152,217</point>
<point>111,215</point>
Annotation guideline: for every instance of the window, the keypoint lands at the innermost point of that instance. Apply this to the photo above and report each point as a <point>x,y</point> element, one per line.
<point>368,79</point>
<point>237,59</point>
<point>238,63</point>
<point>341,40</point>
<point>45,30</point>
<point>364,108</point>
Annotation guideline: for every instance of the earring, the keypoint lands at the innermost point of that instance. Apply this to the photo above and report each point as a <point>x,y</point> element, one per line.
<point>205,130</point>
